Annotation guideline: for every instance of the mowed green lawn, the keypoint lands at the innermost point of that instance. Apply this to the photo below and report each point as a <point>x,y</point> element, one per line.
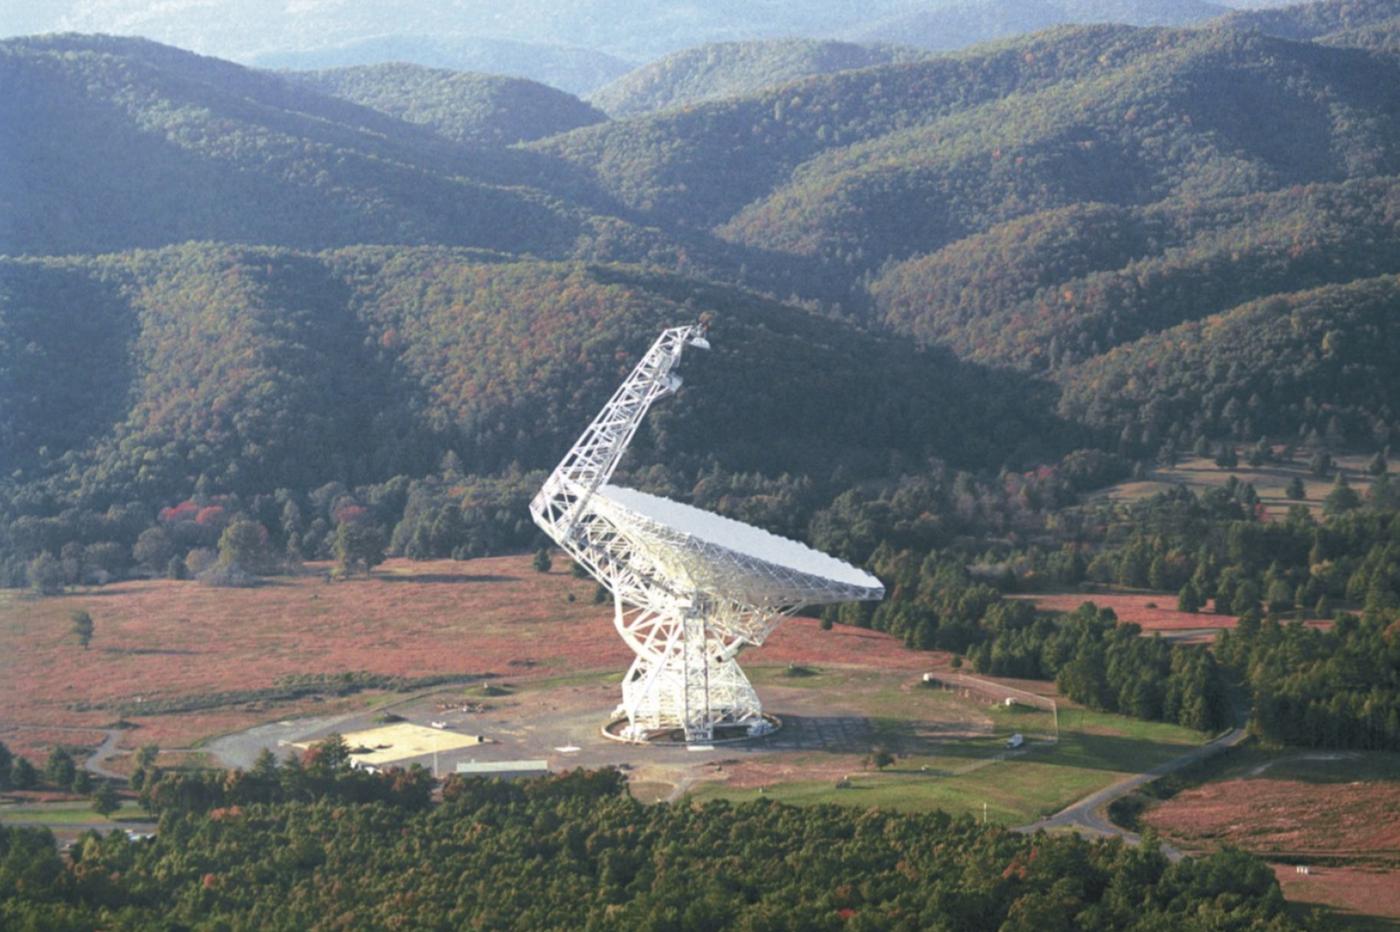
<point>979,776</point>
<point>70,813</point>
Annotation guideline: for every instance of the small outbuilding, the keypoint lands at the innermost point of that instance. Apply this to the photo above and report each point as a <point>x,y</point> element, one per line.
<point>505,769</point>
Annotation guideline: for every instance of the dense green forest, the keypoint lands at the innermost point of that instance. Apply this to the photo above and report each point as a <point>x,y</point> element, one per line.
<point>474,109</point>
<point>197,149</point>
<point>1338,687</point>
<point>1096,236</point>
<point>735,69</point>
<point>1328,22</point>
<point>277,848</point>
<point>215,371</point>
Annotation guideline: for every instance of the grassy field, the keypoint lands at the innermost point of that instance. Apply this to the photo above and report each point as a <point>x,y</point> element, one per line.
<point>158,641</point>
<point>1270,480</point>
<point>962,774</point>
<point>1336,811</point>
<point>71,813</point>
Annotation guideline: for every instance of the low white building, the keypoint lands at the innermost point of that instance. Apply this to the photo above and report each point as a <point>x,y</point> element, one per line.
<point>505,769</point>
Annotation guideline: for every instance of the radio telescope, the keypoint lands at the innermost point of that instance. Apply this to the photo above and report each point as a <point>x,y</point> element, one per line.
<point>690,589</point>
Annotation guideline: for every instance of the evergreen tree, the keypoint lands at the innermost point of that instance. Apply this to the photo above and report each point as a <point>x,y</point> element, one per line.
<point>59,770</point>
<point>23,776</point>
<point>1188,599</point>
<point>82,627</point>
<point>1341,499</point>
<point>105,800</point>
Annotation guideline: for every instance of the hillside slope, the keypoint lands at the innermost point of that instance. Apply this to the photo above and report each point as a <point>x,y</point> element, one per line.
<point>703,164</point>
<point>572,70</point>
<point>1305,21</point>
<point>197,148</point>
<point>1046,290</point>
<point>1308,365</point>
<point>1209,115</point>
<point>474,109</point>
<point>249,369</point>
<point>734,69</point>
<point>956,24</point>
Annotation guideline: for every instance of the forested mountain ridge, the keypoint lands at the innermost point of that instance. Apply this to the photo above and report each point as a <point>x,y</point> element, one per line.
<point>1319,362</point>
<point>1048,289</point>
<point>474,109</point>
<point>250,369</point>
<point>734,69</point>
<point>1309,21</point>
<point>1209,115</point>
<point>572,70</point>
<point>196,148</point>
<point>703,164</point>
<point>955,24</point>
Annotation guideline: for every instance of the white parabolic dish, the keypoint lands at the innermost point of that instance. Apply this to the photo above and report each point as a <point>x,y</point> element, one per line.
<point>772,568</point>
<point>690,589</point>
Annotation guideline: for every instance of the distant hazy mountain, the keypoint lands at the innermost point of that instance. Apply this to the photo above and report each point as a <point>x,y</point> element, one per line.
<point>732,69</point>
<point>639,30</point>
<point>1317,20</point>
<point>128,143</point>
<point>955,24</point>
<point>476,109</point>
<point>576,45</point>
<point>575,70</point>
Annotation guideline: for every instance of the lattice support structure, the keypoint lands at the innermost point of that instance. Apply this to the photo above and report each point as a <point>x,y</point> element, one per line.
<point>686,604</point>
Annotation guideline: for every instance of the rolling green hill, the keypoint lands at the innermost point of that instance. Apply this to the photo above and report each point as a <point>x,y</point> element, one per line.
<point>703,164</point>
<point>1209,115</point>
<point>956,24</point>
<point>473,109</point>
<point>1306,21</point>
<point>1318,362</point>
<point>734,69</point>
<point>132,144</point>
<point>572,70</point>
<point>1046,290</point>
<point>254,368</point>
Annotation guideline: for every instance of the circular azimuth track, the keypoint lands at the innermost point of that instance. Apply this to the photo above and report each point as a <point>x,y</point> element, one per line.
<point>690,589</point>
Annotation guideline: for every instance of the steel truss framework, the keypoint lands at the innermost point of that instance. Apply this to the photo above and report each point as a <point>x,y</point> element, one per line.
<point>686,606</point>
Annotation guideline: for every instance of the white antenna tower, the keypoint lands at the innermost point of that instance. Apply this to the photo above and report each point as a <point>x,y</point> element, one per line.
<point>690,588</point>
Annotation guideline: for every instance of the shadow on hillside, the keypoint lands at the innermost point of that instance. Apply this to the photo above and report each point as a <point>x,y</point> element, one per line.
<point>103,592</point>
<point>450,578</point>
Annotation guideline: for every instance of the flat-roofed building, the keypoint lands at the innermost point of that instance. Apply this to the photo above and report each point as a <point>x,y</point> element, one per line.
<point>505,769</point>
